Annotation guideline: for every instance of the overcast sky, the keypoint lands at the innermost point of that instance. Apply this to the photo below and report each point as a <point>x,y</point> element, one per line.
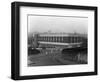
<point>57,24</point>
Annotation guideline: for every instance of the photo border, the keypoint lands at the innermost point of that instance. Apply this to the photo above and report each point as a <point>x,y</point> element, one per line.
<point>15,40</point>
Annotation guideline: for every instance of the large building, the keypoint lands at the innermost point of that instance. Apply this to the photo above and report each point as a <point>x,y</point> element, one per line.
<point>59,39</point>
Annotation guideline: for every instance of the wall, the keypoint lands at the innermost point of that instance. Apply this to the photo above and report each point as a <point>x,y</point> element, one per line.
<point>5,42</point>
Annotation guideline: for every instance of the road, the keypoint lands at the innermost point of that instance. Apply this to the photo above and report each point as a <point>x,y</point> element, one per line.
<point>47,59</point>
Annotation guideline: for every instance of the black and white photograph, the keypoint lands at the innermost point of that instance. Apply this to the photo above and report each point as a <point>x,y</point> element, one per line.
<point>53,40</point>
<point>57,40</point>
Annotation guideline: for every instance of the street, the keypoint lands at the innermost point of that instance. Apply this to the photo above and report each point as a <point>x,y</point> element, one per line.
<point>47,58</point>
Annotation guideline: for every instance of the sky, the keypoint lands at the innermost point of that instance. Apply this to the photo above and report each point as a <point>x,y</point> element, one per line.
<point>56,24</point>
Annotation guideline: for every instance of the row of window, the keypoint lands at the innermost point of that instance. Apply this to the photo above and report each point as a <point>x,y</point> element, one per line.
<point>61,39</point>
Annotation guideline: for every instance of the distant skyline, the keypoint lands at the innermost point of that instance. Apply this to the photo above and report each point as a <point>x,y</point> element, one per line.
<point>57,24</point>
